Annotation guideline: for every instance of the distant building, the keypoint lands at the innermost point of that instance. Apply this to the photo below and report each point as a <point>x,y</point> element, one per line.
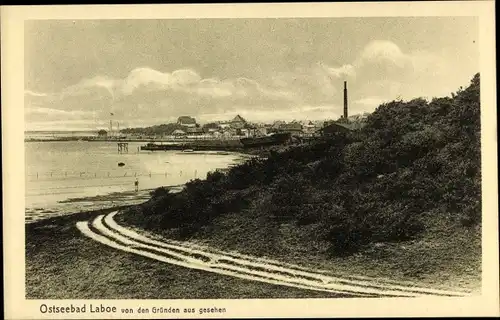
<point>277,124</point>
<point>295,128</point>
<point>186,121</point>
<point>211,127</point>
<point>333,128</point>
<point>309,127</point>
<point>261,131</point>
<point>194,131</point>
<point>238,122</point>
<point>102,134</point>
<point>228,131</point>
<point>178,132</point>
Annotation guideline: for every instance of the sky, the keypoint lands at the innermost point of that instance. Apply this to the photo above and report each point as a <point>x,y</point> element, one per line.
<point>148,72</point>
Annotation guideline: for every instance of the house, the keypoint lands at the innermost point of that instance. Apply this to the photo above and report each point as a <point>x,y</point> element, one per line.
<point>261,131</point>
<point>211,127</point>
<point>238,122</point>
<point>217,134</point>
<point>186,121</point>
<point>294,128</point>
<point>102,134</point>
<point>228,132</point>
<point>277,124</point>
<point>334,128</point>
<point>309,127</point>
<point>194,131</point>
<point>178,132</point>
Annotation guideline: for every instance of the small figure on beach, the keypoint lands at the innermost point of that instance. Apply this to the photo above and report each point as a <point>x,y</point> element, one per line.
<point>136,183</point>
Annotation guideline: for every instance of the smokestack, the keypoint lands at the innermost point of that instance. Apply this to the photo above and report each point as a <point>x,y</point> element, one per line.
<point>345,100</point>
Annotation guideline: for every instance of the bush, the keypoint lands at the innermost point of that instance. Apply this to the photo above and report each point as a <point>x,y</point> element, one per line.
<point>160,192</point>
<point>411,158</point>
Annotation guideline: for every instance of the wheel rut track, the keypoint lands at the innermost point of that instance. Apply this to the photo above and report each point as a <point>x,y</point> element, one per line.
<point>105,230</point>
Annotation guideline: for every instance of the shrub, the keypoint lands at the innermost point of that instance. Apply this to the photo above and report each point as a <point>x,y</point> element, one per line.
<point>160,192</point>
<point>411,158</point>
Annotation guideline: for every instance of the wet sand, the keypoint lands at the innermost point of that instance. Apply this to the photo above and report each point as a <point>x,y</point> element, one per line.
<point>91,203</point>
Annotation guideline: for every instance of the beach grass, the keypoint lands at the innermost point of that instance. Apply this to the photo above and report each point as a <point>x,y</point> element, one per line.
<point>61,263</point>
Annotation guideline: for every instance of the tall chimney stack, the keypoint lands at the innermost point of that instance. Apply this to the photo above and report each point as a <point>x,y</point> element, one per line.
<point>345,100</point>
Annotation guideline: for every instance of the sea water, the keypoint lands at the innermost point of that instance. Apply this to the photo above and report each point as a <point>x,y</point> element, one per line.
<point>68,176</point>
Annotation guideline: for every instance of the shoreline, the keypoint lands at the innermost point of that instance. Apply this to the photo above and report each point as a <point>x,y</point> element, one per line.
<point>107,201</point>
<point>40,210</point>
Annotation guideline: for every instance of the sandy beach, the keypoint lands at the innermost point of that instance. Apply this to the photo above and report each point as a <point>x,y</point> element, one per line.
<point>91,203</point>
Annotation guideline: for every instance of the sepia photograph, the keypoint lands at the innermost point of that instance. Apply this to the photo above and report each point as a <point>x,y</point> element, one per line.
<point>251,158</point>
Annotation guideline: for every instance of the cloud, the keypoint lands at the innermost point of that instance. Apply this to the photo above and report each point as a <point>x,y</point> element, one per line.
<point>365,105</point>
<point>346,70</point>
<point>34,94</point>
<point>49,114</point>
<point>52,111</point>
<point>370,101</point>
<point>86,86</point>
<point>380,71</point>
<point>55,125</point>
<point>381,51</point>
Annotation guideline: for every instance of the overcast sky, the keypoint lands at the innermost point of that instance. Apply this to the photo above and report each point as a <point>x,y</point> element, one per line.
<point>152,71</point>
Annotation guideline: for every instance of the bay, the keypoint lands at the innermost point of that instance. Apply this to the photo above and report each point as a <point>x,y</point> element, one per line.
<point>63,177</point>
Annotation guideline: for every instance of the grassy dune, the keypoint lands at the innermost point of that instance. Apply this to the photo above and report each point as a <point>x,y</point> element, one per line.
<point>400,198</point>
<point>63,264</point>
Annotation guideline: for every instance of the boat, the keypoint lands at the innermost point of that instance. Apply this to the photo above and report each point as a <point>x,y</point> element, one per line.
<point>273,139</point>
<point>121,164</point>
<point>191,147</point>
<point>161,147</point>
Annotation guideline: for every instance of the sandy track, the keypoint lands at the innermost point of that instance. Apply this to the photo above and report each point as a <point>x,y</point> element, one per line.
<point>105,230</point>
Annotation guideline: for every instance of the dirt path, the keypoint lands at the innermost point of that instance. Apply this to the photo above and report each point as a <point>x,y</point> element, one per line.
<point>105,230</point>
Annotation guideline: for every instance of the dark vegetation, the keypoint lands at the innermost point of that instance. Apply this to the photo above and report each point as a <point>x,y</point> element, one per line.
<point>413,161</point>
<point>162,129</point>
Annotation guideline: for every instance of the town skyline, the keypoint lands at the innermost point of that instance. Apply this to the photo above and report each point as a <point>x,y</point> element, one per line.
<point>149,72</point>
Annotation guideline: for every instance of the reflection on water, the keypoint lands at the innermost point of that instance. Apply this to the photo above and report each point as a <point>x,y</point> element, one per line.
<point>57,171</point>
